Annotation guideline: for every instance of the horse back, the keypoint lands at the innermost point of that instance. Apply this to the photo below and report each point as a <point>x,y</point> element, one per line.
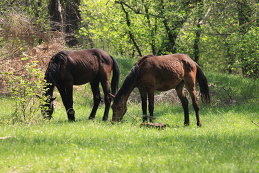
<point>165,72</point>
<point>84,66</point>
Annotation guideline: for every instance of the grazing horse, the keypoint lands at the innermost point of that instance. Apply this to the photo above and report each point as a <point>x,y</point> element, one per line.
<point>68,68</point>
<point>162,73</point>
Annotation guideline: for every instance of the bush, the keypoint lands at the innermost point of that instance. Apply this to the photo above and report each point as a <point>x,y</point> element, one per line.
<point>24,88</point>
<point>244,47</point>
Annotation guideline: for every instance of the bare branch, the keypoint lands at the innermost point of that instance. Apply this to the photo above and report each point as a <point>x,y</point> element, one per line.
<point>255,123</point>
<point>205,16</point>
<point>137,11</point>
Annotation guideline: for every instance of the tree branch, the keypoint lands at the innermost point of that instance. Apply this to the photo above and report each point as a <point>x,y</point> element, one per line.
<point>136,11</point>
<point>205,16</point>
<point>131,35</point>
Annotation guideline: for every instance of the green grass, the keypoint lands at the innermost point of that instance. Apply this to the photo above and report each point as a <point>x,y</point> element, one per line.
<point>227,142</point>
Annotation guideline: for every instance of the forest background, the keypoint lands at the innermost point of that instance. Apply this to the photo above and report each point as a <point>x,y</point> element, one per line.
<point>220,35</point>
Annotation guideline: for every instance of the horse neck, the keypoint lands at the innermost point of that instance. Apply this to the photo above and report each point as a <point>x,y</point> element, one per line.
<point>128,85</point>
<point>123,97</point>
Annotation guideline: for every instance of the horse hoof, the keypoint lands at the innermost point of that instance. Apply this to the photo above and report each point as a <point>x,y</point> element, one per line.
<point>71,118</point>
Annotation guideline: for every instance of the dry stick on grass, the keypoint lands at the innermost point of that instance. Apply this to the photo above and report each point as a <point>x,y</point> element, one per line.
<point>255,123</point>
<point>5,137</point>
<point>153,125</point>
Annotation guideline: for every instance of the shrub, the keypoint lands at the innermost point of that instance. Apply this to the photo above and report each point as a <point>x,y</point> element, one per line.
<point>24,89</point>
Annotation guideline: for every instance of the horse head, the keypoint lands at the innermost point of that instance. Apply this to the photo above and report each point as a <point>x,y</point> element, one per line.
<point>119,109</point>
<point>48,108</point>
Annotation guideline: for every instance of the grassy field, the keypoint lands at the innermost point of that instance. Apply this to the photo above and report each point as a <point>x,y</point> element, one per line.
<point>227,142</point>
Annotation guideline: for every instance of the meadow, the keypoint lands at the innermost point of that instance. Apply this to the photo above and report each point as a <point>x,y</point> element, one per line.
<point>228,141</point>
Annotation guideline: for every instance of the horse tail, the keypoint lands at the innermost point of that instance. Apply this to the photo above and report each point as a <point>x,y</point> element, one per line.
<point>203,83</point>
<point>115,76</point>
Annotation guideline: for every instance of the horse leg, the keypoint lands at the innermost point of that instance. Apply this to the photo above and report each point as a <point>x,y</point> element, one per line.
<point>195,106</point>
<point>67,98</point>
<point>107,98</point>
<point>96,97</point>
<point>184,101</point>
<point>151,104</point>
<point>191,89</point>
<point>143,95</point>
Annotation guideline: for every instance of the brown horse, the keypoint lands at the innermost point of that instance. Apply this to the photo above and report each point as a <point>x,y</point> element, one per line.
<point>68,68</point>
<point>162,73</point>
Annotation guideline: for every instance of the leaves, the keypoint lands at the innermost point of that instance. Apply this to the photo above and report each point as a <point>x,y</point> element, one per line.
<point>24,89</point>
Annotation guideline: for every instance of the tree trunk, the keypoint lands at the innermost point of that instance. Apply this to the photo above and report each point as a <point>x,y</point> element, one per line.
<point>55,13</point>
<point>152,32</point>
<point>171,35</point>
<point>231,58</point>
<point>72,21</point>
<point>244,14</point>
<point>196,49</point>
<point>173,29</point>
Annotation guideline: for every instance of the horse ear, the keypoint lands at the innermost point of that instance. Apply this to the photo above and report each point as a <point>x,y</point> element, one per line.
<point>52,99</point>
<point>111,95</point>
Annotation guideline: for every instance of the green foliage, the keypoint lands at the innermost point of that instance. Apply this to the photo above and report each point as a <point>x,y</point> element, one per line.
<point>163,27</point>
<point>107,24</point>
<point>228,29</point>
<point>24,89</point>
<point>245,46</point>
<point>101,24</point>
<point>228,44</point>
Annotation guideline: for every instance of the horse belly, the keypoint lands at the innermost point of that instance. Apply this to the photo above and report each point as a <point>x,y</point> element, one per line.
<point>83,73</point>
<point>168,80</point>
<point>84,78</point>
<point>167,85</point>
<point>160,82</point>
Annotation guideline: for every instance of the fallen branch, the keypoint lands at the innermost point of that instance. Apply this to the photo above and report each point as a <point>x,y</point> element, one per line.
<point>5,137</point>
<point>154,125</point>
<point>255,123</point>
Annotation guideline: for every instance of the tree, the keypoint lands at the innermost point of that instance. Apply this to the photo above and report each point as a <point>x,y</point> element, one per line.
<point>56,17</point>
<point>244,18</point>
<point>65,17</point>
<point>72,21</point>
<point>128,22</point>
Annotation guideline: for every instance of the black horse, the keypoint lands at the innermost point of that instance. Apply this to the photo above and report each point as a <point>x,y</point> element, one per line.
<point>68,68</point>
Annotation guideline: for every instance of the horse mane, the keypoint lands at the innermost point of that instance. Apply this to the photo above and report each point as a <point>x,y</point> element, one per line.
<point>128,84</point>
<point>130,80</point>
<point>54,67</point>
